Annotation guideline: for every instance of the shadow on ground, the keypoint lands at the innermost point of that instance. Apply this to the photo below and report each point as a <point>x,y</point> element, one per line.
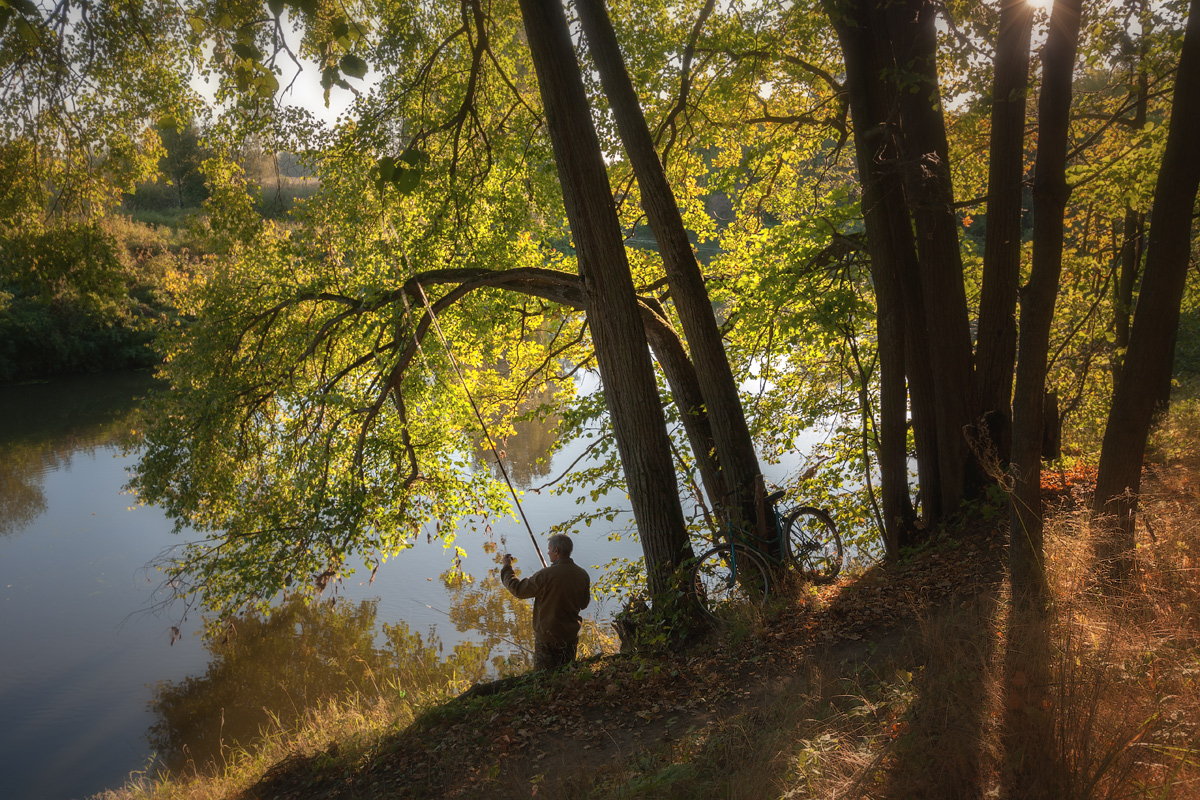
<point>741,713</point>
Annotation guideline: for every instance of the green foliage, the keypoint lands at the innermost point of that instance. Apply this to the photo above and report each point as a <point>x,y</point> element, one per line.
<point>83,297</point>
<point>181,181</point>
<point>667,624</point>
<point>80,96</point>
<point>305,426</point>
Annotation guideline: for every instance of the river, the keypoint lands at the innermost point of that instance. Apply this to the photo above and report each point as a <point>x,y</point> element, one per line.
<point>96,685</point>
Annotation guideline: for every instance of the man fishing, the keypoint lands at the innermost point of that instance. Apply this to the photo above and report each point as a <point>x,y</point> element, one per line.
<point>559,592</point>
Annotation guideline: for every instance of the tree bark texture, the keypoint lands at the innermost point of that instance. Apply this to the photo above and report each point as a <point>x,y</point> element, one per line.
<point>1133,231</point>
<point>926,167</point>
<point>612,310</point>
<point>893,265</point>
<point>1133,240</point>
<point>1050,194</point>
<point>996,340</point>
<point>735,449</point>
<point>1140,392</point>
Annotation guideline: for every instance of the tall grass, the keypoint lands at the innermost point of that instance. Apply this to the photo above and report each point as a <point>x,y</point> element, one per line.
<point>1096,695</point>
<point>386,692</point>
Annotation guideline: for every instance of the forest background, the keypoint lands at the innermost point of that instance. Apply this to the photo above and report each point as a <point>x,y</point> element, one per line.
<point>825,197</point>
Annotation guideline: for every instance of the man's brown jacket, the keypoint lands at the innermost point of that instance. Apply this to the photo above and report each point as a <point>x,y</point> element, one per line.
<point>560,592</point>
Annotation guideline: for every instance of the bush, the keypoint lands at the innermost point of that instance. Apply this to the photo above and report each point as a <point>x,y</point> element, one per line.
<point>82,297</point>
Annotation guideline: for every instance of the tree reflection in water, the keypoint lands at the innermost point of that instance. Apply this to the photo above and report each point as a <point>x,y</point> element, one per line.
<point>44,425</point>
<point>267,672</point>
<point>21,497</point>
<point>527,451</point>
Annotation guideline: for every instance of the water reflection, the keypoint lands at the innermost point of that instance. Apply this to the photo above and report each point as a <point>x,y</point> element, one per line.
<point>21,497</point>
<point>47,425</point>
<point>89,690</point>
<point>526,454</point>
<point>266,672</point>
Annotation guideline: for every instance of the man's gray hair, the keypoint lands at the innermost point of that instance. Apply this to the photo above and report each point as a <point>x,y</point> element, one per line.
<point>562,543</point>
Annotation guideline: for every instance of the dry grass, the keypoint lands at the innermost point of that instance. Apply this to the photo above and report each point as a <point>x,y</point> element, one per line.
<point>355,723</point>
<point>348,729</point>
<point>1098,698</point>
<point>1096,695</point>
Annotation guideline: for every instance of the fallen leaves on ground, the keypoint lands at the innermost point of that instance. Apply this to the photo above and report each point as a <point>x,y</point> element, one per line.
<point>607,707</point>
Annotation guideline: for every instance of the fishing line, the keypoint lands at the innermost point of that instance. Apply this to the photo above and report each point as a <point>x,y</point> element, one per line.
<point>499,461</point>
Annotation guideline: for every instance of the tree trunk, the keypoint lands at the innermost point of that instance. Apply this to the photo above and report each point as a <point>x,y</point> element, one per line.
<point>926,162</point>
<point>1050,194</point>
<point>997,336</point>
<point>1133,231</point>
<point>613,316</point>
<point>903,164</point>
<point>1140,392</point>
<point>893,270</point>
<point>684,383</point>
<point>735,449</point>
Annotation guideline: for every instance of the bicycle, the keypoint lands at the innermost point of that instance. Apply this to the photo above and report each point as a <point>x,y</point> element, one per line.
<point>738,573</point>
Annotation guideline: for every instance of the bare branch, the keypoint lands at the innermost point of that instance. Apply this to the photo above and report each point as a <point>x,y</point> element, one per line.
<point>685,80</point>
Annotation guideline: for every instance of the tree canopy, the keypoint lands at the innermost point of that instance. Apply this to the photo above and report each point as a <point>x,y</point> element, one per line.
<point>830,167</point>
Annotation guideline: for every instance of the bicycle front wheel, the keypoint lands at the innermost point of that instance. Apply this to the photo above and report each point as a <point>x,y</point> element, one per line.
<point>814,543</point>
<point>728,580</point>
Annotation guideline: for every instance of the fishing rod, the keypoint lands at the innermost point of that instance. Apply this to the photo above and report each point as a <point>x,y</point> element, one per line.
<point>499,461</point>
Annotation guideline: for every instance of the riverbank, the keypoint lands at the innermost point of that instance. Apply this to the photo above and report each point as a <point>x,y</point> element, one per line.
<point>906,681</point>
<point>90,297</point>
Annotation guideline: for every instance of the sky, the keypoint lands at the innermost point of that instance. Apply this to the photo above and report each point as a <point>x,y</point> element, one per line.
<point>305,91</point>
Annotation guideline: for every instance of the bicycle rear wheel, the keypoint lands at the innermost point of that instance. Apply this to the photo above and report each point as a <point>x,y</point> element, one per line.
<point>728,580</point>
<point>814,543</point>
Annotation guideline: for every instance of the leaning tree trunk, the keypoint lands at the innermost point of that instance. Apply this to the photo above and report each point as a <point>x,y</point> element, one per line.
<point>735,449</point>
<point>1050,194</point>
<point>612,312</point>
<point>996,347</point>
<point>1140,393</point>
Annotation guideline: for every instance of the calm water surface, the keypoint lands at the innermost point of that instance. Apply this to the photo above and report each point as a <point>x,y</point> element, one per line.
<point>92,688</point>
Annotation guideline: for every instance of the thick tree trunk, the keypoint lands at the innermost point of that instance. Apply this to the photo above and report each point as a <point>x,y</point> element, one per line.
<point>1133,231</point>
<point>926,161</point>
<point>1050,194</point>
<point>735,449</point>
<point>893,270</point>
<point>613,317</point>
<point>902,153</point>
<point>1149,360</point>
<point>996,340</point>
